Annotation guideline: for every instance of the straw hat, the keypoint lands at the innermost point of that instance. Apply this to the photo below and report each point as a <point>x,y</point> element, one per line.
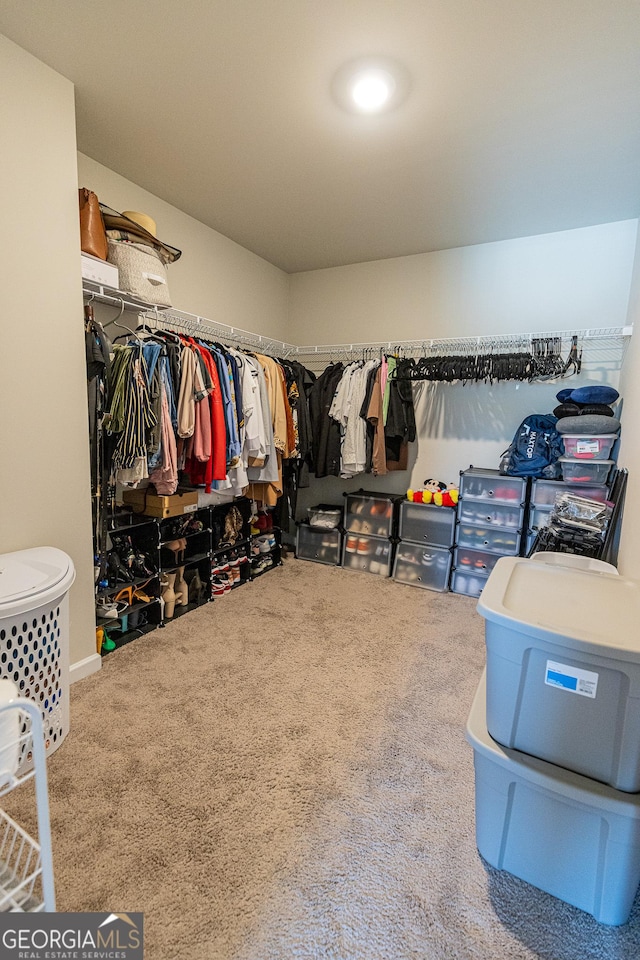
<point>145,221</point>
<point>140,226</point>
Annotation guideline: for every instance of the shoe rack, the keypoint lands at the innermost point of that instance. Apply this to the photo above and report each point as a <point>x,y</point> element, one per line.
<point>491,511</point>
<point>424,552</point>
<point>161,569</point>
<point>370,526</point>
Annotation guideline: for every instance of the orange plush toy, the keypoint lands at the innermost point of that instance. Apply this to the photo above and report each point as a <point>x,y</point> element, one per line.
<point>435,492</point>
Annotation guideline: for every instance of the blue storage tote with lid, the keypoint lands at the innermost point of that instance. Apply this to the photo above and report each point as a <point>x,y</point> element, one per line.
<point>563,667</point>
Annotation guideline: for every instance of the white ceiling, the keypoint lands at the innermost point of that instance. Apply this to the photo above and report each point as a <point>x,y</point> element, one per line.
<point>523,117</point>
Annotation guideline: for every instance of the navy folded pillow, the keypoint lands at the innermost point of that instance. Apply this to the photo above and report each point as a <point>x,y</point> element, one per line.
<point>563,395</point>
<point>597,393</point>
<point>588,424</point>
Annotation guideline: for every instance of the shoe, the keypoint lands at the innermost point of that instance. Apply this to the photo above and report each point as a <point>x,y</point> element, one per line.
<point>195,585</point>
<point>109,609</point>
<point>168,594</point>
<point>140,596</point>
<point>263,564</point>
<point>177,548</point>
<point>142,566</point>
<point>137,618</point>
<point>117,571</point>
<point>181,588</point>
<point>125,596</point>
<point>351,545</point>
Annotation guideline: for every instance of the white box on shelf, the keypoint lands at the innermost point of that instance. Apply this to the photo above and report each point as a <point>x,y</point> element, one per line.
<point>99,271</point>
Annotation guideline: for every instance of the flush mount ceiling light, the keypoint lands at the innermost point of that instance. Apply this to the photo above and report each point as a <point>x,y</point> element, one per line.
<point>370,85</point>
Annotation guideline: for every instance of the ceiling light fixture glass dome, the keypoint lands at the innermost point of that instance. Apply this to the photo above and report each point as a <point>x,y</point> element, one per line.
<point>370,85</point>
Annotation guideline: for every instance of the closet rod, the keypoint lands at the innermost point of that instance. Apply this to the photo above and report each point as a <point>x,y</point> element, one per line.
<point>236,334</point>
<point>168,317</point>
<point>488,342</point>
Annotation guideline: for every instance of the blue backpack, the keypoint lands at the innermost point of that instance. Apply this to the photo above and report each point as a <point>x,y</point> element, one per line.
<point>535,449</point>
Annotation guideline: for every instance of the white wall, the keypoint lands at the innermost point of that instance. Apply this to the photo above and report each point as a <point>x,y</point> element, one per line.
<point>576,279</point>
<point>44,481</point>
<point>629,455</point>
<point>215,277</point>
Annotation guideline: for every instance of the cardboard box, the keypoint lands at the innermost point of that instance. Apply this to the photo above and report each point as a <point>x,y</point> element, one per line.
<point>148,502</point>
<point>99,271</point>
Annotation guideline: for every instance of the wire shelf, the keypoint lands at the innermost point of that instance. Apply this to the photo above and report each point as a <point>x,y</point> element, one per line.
<point>611,341</point>
<point>20,869</point>
<point>26,865</point>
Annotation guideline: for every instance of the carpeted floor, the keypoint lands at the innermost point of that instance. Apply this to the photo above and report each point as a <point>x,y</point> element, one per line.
<point>283,774</point>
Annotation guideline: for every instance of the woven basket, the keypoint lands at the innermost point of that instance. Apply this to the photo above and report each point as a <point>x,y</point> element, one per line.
<point>142,272</point>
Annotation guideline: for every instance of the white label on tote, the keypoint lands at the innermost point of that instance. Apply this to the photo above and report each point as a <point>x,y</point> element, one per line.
<point>582,682</point>
<point>587,446</point>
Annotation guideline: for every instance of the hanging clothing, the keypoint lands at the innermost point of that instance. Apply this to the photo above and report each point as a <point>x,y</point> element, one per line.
<point>325,430</point>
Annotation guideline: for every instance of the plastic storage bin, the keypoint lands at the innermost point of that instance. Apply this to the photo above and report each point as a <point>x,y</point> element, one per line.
<point>422,566</point>
<point>323,546</point>
<point>572,837</point>
<point>324,516</point>
<point>494,514</point>
<point>474,561</point>
<point>34,633</point>
<point>485,484</point>
<point>368,554</point>
<point>370,514</point>
<point>544,492</point>
<point>574,560</point>
<point>585,471</point>
<point>588,448</point>
<point>505,540</point>
<point>426,523</point>
<point>468,584</point>
<point>563,667</point>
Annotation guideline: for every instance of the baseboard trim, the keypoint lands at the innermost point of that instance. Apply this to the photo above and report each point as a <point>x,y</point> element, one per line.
<point>84,668</point>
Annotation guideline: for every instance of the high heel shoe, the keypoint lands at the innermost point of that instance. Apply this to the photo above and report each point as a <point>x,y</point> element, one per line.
<point>125,596</point>
<point>177,548</point>
<point>180,588</point>
<point>142,565</point>
<point>168,594</point>
<point>117,571</point>
<point>196,586</point>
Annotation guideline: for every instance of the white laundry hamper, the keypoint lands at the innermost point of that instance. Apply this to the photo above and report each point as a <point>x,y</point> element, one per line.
<point>34,634</point>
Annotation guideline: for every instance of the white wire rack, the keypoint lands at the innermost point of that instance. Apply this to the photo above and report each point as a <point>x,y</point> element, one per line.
<point>604,345</point>
<point>26,864</point>
<point>169,319</point>
<point>610,341</point>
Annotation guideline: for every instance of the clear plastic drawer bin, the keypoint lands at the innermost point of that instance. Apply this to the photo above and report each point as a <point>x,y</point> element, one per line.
<point>479,484</point>
<point>427,523</point>
<point>502,541</point>
<point>322,546</point>
<point>544,492</point>
<point>422,566</point>
<point>368,554</point>
<point>495,514</point>
<point>370,515</point>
